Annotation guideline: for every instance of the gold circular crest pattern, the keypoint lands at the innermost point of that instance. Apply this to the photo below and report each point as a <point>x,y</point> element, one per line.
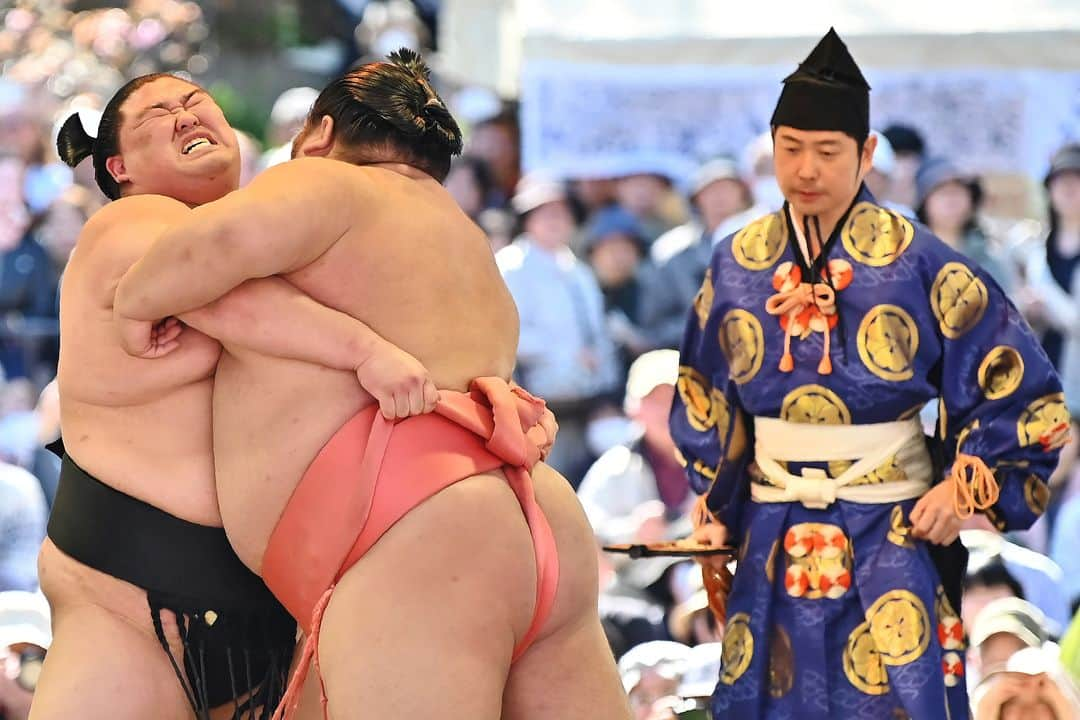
<point>862,663</point>
<point>738,648</point>
<point>958,298</point>
<point>743,344</point>
<point>704,299</point>
<point>1001,372</point>
<point>900,627</point>
<point>1036,494</point>
<point>706,407</point>
<point>875,236</point>
<point>781,663</point>
<point>1041,415</point>
<point>761,243</point>
<point>814,404</point>
<point>888,340</point>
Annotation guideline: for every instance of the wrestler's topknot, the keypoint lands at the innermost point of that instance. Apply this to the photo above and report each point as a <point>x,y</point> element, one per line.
<point>388,111</point>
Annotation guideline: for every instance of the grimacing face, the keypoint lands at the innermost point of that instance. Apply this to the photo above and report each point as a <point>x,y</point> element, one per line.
<point>175,141</point>
<point>820,171</point>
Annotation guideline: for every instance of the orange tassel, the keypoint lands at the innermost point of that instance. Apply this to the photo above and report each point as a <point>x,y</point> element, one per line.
<point>825,366</point>
<point>787,363</point>
<point>978,493</point>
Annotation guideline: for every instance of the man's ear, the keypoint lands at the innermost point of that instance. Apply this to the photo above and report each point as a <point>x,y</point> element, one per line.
<point>319,141</point>
<point>116,168</point>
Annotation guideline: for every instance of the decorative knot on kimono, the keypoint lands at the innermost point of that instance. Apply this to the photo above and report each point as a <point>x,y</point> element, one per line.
<point>805,307</point>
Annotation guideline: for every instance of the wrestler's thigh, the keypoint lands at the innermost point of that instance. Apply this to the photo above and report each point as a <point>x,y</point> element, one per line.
<point>425,624</point>
<point>100,666</point>
<point>569,672</point>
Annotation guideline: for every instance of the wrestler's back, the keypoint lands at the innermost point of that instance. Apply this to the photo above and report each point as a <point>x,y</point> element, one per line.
<point>140,426</point>
<point>421,275</point>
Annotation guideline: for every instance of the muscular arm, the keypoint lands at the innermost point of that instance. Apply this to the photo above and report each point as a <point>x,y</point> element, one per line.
<point>272,317</point>
<point>286,218</point>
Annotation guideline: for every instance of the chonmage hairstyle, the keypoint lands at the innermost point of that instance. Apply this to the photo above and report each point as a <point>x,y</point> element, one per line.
<point>75,145</point>
<point>388,111</point>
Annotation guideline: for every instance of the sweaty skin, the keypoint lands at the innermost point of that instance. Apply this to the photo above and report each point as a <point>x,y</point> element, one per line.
<point>387,245</point>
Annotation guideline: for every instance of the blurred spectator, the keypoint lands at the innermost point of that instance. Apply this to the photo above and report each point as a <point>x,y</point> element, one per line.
<point>469,183</point>
<point>496,140</point>
<point>389,25</point>
<point>614,248</point>
<point>22,527</point>
<point>59,228</point>
<point>756,166</point>
<point>593,193</point>
<point>947,201</point>
<point>692,622</point>
<point>498,225</point>
<point>698,681</point>
<point>633,491</point>
<point>647,196</point>
<point>1001,628</point>
<point>909,149</point>
<point>1040,579</point>
<point>28,279</point>
<point>681,255</point>
<point>564,352</point>
<point>983,585</point>
<point>651,673</point>
<point>287,116</point>
<point>1019,676</point>
<point>18,422</point>
<point>880,178</point>
<point>1049,298</point>
<point>1063,538</point>
<point>46,465</point>
<point>25,636</point>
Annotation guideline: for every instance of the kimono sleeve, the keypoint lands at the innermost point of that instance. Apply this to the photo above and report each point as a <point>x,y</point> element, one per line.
<point>707,423</point>
<point>1001,399</point>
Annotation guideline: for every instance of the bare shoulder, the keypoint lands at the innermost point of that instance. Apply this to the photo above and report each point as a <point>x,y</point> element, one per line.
<point>116,236</point>
<point>129,215</point>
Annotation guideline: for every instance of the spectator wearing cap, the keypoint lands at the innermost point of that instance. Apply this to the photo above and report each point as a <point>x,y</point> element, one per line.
<point>1020,677</point>
<point>565,353</point>
<point>909,151</point>
<point>633,491</point>
<point>947,201</point>
<point>22,527</point>
<point>25,637</point>
<point>287,115</point>
<point>615,248</point>
<point>681,255</point>
<point>1050,297</point>
<point>651,674</point>
<point>637,491</point>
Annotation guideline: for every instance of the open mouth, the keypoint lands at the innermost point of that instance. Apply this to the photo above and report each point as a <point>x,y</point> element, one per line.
<point>197,144</point>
